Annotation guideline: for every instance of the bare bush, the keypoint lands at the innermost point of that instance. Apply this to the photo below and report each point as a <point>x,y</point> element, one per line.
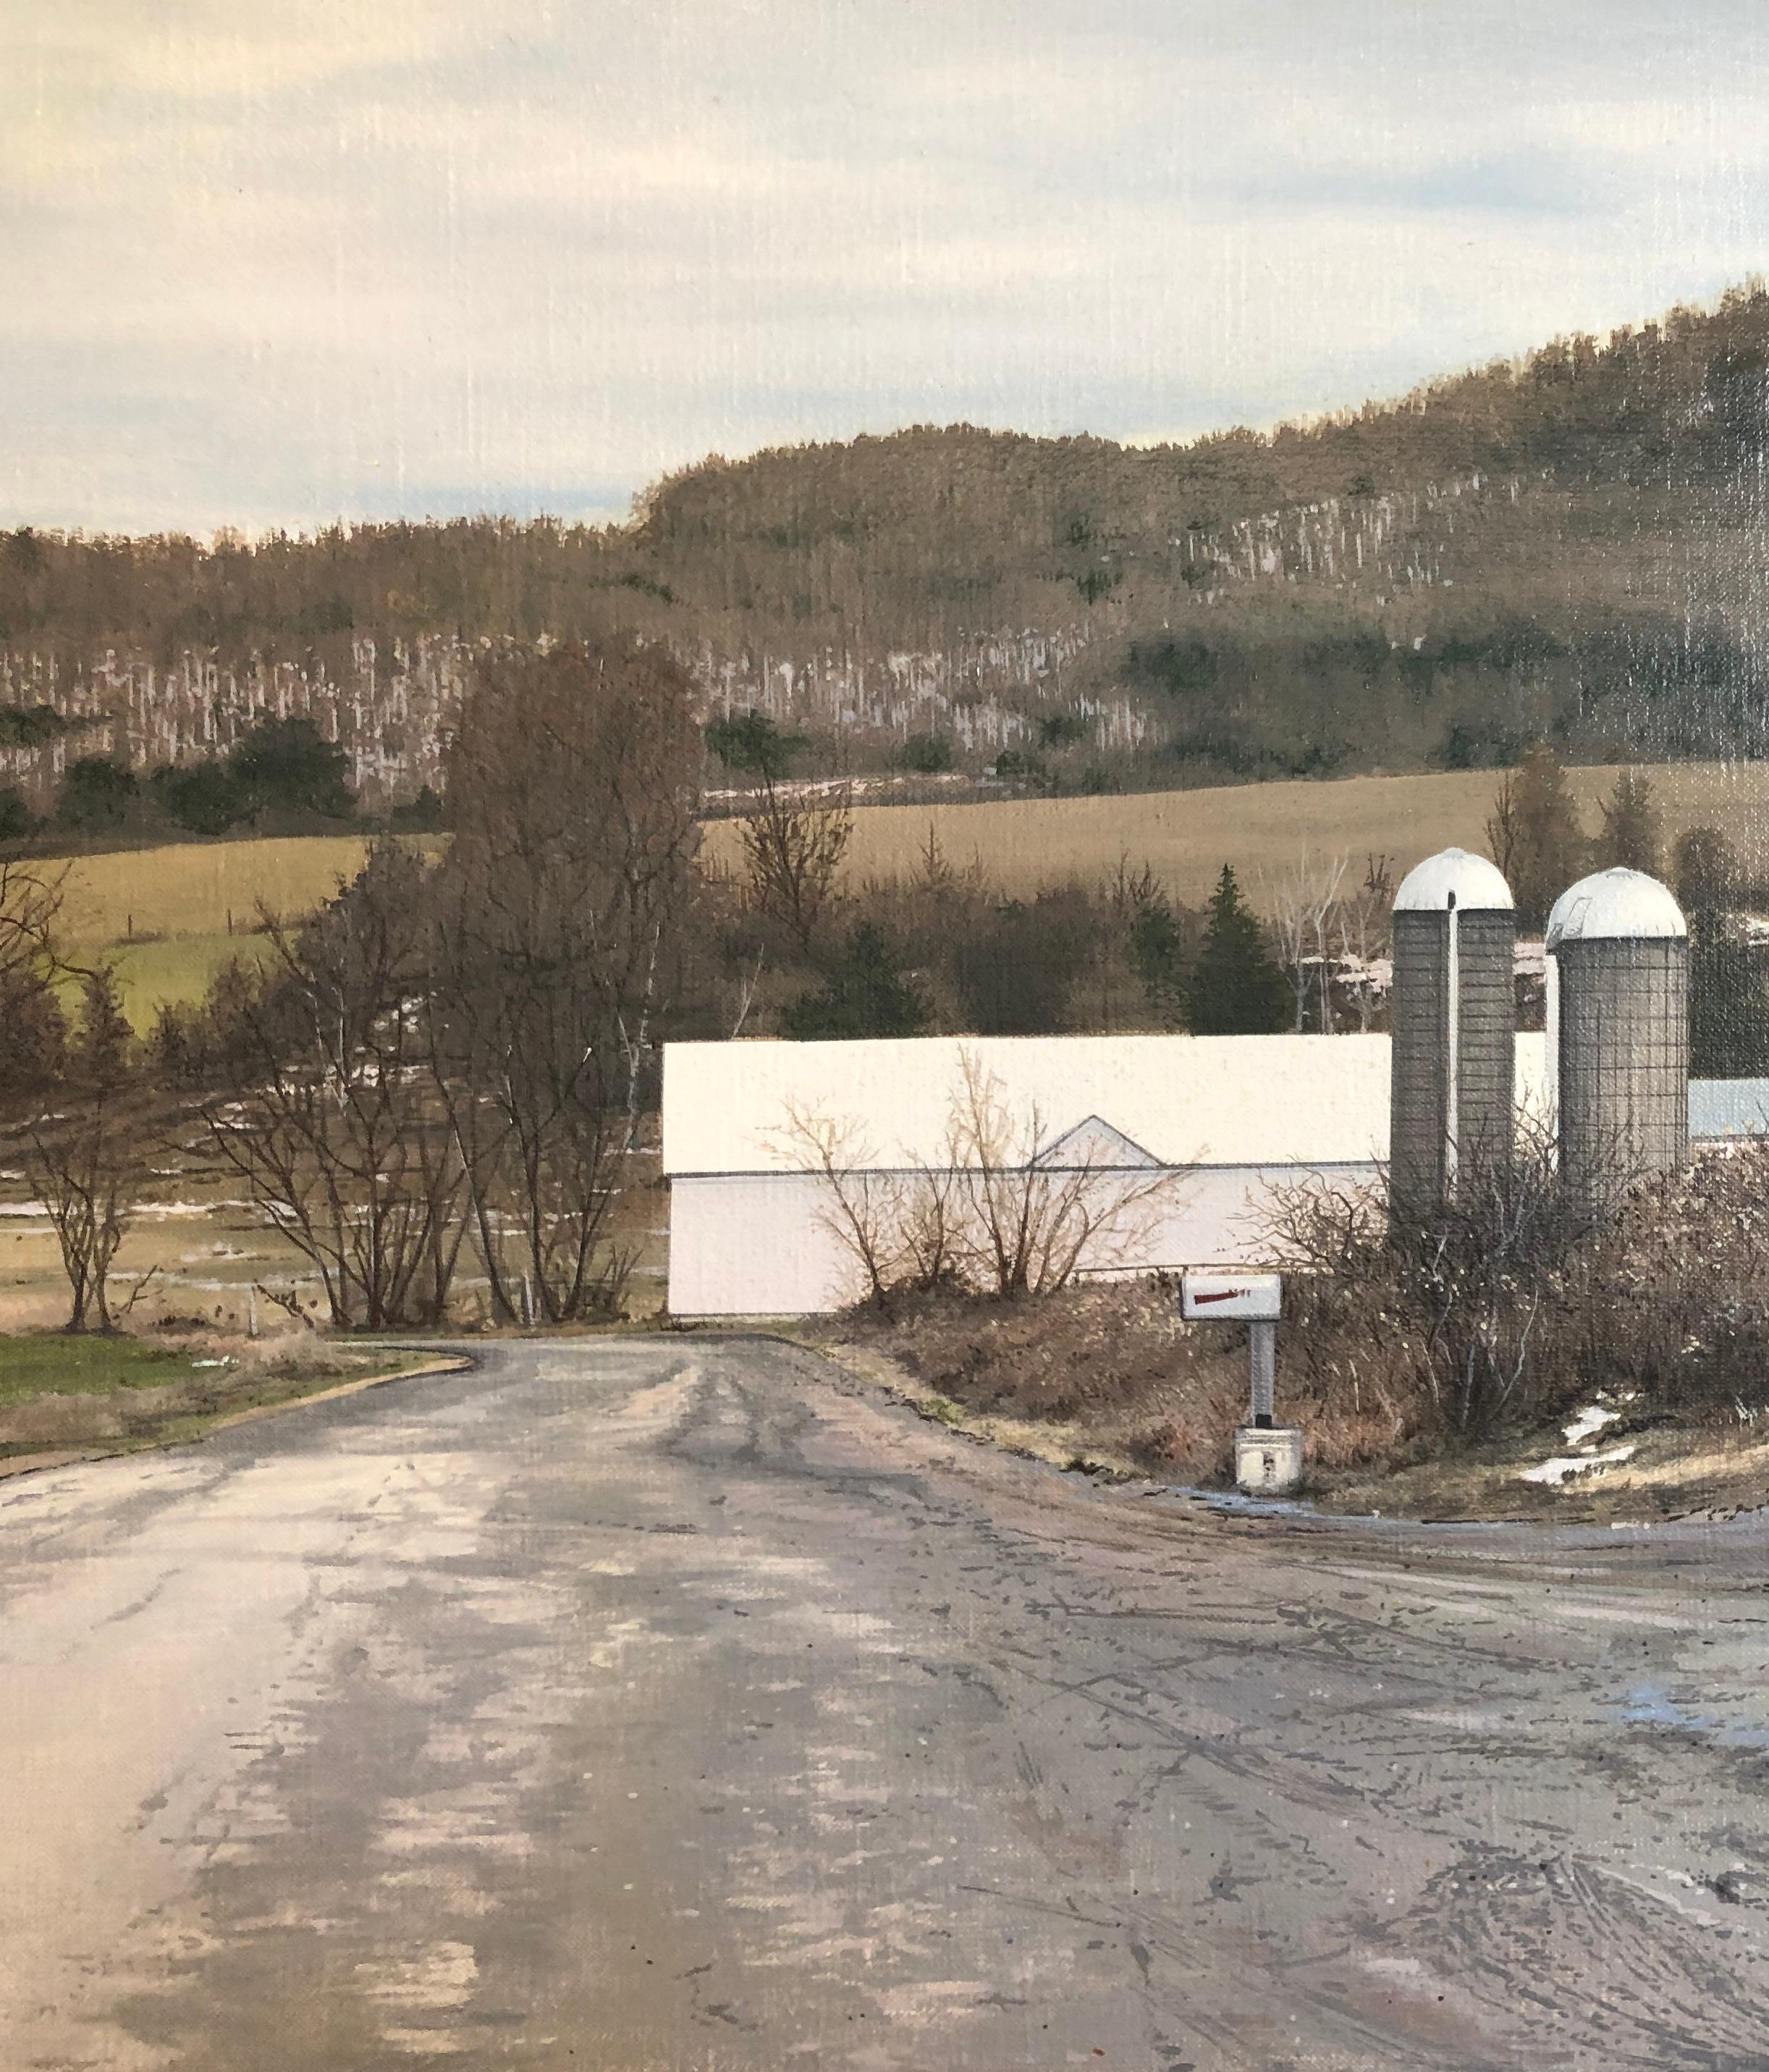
<point>1482,1272</point>
<point>1670,1304</point>
<point>864,1207</point>
<point>1455,1316</point>
<point>793,847</point>
<point>994,1211</point>
<point>1029,1220</point>
<point>332,1122</point>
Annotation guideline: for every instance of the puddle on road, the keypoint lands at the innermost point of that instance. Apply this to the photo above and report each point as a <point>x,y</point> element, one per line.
<point>1652,1705</point>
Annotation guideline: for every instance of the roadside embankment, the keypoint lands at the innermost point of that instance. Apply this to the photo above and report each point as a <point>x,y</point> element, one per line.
<point>1108,1381</point>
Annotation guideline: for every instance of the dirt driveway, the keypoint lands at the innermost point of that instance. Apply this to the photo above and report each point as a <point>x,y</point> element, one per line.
<point>678,1704</point>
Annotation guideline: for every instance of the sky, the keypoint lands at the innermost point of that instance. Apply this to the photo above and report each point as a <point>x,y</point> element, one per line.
<point>270,265</point>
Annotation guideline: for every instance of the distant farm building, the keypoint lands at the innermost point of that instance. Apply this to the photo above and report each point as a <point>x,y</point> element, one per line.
<point>1234,1119</point>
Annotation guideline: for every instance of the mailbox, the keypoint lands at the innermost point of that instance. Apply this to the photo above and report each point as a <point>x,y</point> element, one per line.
<point>1233,1298</point>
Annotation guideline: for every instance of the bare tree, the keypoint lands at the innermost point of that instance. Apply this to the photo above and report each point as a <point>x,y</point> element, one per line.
<point>1302,899</point>
<point>1362,925</point>
<point>793,845</point>
<point>332,1122</point>
<point>88,1162</point>
<point>88,1170</point>
<point>572,787</point>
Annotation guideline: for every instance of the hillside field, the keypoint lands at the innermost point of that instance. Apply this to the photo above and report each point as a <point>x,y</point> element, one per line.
<point>1186,836</point>
<point>169,918</point>
<point>164,915</point>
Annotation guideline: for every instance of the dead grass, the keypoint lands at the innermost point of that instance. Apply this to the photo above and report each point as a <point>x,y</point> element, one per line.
<point>1110,1381</point>
<point>1108,1376</point>
<point>172,916</point>
<point>193,888</point>
<point>1186,836</point>
<point>1679,1469</point>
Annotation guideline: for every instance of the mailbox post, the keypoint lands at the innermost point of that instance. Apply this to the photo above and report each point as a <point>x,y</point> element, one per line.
<point>1268,1456</point>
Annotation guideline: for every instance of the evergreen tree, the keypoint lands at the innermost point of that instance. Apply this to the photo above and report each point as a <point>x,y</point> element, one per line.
<point>1017,965</point>
<point>1534,834</point>
<point>1630,837</point>
<point>103,1041</point>
<point>16,818</point>
<point>95,794</point>
<point>866,994</point>
<point>1158,951</point>
<point>1236,988</point>
<point>1704,872</point>
<point>750,742</point>
<point>1729,1000</point>
<point>204,797</point>
<point>33,1035</point>
<point>287,766</point>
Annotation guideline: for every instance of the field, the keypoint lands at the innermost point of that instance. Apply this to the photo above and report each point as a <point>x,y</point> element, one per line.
<point>169,918</point>
<point>1186,836</point>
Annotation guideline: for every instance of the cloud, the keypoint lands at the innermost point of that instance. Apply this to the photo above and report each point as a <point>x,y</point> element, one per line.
<point>515,254</point>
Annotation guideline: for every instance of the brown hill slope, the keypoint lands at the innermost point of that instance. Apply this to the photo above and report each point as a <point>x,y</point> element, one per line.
<point>1568,545</point>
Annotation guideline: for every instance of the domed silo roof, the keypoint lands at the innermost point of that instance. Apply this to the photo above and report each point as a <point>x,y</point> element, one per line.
<point>1476,885</point>
<point>1613,905</point>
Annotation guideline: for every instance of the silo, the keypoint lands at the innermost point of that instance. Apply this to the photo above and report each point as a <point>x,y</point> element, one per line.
<point>1455,1018</point>
<point>1619,1031</point>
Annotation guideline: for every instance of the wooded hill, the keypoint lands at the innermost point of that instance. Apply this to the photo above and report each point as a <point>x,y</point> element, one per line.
<point>1568,546</point>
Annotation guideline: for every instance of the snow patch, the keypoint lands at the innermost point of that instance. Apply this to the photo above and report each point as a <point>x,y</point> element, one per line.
<point>1554,1473</point>
<point>1589,1422</point>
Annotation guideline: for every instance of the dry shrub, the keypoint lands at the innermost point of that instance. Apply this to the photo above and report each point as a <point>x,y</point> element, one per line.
<point>1672,1301</point>
<point>54,1421</point>
<point>997,1210</point>
<point>287,1356</point>
<point>1508,1308</point>
<point>1113,1360</point>
<point>1668,1302</point>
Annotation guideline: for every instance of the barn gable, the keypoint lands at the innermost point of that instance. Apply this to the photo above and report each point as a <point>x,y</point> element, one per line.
<point>1097,1147</point>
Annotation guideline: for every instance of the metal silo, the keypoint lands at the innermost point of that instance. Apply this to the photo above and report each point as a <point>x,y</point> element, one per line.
<point>1619,1031</point>
<point>1454,1017</point>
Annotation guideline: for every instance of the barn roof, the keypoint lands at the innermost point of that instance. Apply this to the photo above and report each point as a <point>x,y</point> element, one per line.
<point>1183,1101</point>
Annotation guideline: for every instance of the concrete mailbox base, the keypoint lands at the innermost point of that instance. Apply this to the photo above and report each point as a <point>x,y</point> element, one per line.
<point>1268,1459</point>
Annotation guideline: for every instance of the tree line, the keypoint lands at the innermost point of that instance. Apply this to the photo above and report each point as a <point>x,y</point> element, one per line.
<point>1459,634</point>
<point>452,1067</point>
<point>1538,838</point>
<point>282,776</point>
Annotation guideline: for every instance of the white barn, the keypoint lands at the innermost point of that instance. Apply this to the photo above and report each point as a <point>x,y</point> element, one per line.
<point>1237,1116</point>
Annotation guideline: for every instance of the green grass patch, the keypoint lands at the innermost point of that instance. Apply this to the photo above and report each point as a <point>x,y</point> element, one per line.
<point>178,970</point>
<point>84,1397</point>
<point>51,1363</point>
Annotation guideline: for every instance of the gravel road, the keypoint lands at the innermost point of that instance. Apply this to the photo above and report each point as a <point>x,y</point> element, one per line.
<point>680,1704</point>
